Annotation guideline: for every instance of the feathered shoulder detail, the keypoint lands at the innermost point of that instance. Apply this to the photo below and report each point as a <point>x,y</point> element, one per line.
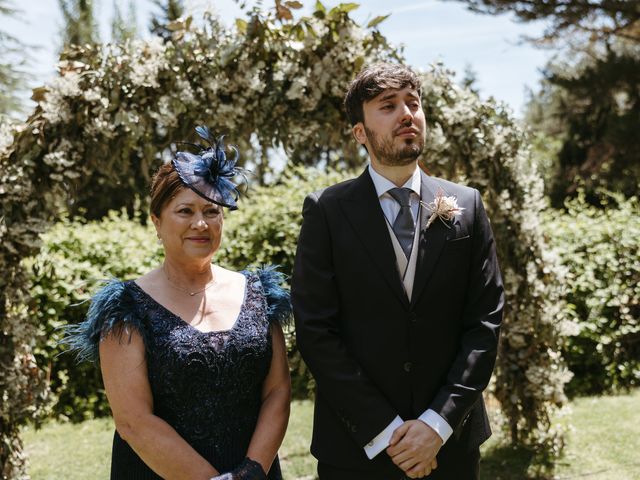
<point>278,298</point>
<point>113,310</point>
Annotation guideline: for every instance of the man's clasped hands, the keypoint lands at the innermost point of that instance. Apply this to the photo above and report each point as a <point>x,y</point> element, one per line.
<point>413,448</point>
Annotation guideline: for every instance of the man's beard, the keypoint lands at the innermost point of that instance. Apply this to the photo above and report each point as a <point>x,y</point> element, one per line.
<point>388,154</point>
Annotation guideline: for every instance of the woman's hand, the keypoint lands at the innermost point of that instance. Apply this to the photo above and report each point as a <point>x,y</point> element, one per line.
<point>247,470</point>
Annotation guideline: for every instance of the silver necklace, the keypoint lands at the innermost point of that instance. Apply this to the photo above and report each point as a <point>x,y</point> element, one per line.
<point>184,290</point>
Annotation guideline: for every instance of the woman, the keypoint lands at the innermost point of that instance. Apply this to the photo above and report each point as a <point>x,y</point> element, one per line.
<point>192,355</point>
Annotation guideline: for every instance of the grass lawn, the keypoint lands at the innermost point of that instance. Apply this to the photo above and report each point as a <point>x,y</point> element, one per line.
<point>604,445</point>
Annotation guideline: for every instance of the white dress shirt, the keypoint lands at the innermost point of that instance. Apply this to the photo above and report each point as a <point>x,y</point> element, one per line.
<point>406,268</point>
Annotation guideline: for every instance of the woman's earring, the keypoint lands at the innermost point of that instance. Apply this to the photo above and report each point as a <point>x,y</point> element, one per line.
<point>159,239</point>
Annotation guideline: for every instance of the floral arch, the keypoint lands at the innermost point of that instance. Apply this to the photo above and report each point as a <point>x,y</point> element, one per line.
<point>98,127</point>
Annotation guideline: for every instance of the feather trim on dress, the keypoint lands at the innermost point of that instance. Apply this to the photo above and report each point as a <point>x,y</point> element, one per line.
<point>278,298</point>
<point>112,311</point>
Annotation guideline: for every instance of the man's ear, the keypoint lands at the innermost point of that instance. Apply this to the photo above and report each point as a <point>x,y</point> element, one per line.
<point>358,133</point>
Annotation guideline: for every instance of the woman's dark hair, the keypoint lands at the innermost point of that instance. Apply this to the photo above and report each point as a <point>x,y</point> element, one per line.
<point>165,185</point>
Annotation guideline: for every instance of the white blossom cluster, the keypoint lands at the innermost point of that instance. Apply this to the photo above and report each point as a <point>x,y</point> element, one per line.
<point>61,91</point>
<point>147,59</point>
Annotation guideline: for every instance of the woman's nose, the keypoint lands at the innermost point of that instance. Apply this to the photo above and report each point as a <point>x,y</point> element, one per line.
<point>199,223</point>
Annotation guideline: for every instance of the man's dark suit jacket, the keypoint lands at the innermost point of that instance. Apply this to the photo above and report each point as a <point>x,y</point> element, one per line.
<point>375,354</point>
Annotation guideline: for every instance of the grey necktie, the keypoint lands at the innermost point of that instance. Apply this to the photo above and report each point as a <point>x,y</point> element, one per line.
<point>404,225</point>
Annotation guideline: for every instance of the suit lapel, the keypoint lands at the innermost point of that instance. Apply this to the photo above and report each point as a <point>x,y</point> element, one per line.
<point>432,239</point>
<point>362,209</point>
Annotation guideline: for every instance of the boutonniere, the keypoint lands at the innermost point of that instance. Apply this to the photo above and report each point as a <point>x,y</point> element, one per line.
<point>443,207</point>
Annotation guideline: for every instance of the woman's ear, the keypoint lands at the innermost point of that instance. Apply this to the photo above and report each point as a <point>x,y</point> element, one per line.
<point>156,222</point>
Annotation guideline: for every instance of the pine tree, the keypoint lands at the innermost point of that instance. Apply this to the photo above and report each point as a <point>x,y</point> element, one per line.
<point>170,10</point>
<point>589,99</point>
<point>123,29</point>
<point>13,78</point>
<point>601,19</point>
<point>80,26</point>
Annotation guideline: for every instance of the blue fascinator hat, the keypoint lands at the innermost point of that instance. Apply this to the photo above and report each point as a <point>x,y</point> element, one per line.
<point>209,172</point>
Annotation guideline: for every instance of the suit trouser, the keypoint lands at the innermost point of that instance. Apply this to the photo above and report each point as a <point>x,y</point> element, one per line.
<point>453,464</point>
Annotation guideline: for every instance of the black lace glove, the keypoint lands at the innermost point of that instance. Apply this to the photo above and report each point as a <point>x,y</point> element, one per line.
<point>247,470</point>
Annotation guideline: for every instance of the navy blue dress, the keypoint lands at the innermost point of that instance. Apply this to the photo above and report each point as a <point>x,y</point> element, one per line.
<point>207,386</point>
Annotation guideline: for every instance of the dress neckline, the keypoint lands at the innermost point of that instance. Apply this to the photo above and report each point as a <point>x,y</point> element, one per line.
<point>177,317</point>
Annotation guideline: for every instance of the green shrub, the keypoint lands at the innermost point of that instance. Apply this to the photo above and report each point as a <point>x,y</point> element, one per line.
<point>265,231</point>
<point>600,249</point>
<point>75,258</point>
<point>77,255</point>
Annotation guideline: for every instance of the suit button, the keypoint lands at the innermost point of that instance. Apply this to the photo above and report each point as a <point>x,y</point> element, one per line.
<point>407,366</point>
<point>413,318</point>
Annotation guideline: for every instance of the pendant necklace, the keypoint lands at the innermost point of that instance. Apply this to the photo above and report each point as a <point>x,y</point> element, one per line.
<point>184,290</point>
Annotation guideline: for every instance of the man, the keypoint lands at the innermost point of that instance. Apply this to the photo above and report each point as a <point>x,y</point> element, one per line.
<point>398,300</point>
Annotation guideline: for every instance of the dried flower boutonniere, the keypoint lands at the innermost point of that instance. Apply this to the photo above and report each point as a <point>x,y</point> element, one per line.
<point>443,207</point>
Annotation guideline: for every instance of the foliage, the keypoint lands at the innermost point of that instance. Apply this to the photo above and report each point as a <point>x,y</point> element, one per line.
<point>77,255</point>
<point>12,76</point>
<point>127,103</point>
<point>80,25</point>
<point>265,231</point>
<point>600,248</point>
<point>600,19</point>
<point>99,127</point>
<point>479,144</point>
<point>592,107</point>
<point>589,99</point>
<point>123,28</point>
<point>75,258</point>
<point>169,12</point>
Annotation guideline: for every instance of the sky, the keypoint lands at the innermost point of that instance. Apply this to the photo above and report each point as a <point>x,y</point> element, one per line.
<point>430,30</point>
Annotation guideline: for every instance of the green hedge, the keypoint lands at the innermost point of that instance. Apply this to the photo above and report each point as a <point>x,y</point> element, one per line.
<point>600,249</point>
<point>77,255</point>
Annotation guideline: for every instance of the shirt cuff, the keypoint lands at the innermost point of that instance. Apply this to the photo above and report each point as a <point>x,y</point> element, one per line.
<point>439,424</point>
<point>381,441</point>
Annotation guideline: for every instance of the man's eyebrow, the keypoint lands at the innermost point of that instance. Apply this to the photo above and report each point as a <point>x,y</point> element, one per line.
<point>388,96</point>
<point>392,95</point>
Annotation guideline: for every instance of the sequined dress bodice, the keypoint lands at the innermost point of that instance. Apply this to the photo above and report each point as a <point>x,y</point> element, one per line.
<point>206,385</point>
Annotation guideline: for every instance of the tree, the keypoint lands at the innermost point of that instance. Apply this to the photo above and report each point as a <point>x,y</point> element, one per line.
<point>12,77</point>
<point>170,11</point>
<point>593,107</point>
<point>598,19</point>
<point>80,26</point>
<point>589,99</point>
<point>123,29</point>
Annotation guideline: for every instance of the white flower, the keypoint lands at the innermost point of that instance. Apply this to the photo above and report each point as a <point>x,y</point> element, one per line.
<point>55,106</point>
<point>296,90</point>
<point>185,92</point>
<point>148,59</point>
<point>6,135</point>
<point>444,208</point>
